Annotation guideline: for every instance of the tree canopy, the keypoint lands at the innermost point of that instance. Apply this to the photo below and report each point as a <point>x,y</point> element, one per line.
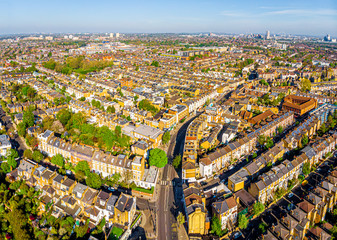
<point>166,137</point>
<point>37,156</point>
<point>157,158</point>
<point>258,208</point>
<point>216,227</point>
<point>176,161</point>
<point>243,221</point>
<point>58,160</point>
<point>93,180</point>
<point>147,105</point>
<point>77,64</point>
<point>305,85</point>
<point>82,166</point>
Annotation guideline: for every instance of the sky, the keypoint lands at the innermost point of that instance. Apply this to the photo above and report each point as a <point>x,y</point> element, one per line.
<point>304,17</point>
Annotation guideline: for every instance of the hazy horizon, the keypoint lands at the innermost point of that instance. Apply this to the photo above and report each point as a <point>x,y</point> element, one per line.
<point>314,18</point>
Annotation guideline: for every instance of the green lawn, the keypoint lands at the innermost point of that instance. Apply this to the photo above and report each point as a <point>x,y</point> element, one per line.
<point>144,190</point>
<point>115,233</point>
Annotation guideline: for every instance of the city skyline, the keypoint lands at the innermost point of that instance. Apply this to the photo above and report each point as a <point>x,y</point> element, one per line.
<point>300,17</point>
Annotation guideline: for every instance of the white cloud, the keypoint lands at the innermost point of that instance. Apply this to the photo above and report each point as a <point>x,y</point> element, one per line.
<point>303,12</point>
<point>231,14</point>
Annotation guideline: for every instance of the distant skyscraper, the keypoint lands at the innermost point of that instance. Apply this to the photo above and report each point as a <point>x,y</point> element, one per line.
<point>267,35</point>
<point>111,35</point>
<point>327,38</point>
<point>117,35</point>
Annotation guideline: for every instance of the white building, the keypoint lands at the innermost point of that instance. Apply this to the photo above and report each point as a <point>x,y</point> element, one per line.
<point>5,145</point>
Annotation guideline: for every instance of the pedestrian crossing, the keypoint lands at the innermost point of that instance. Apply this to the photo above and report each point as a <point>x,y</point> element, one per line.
<point>165,183</point>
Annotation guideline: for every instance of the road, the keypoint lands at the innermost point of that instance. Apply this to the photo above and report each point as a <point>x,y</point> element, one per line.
<point>171,192</point>
<point>166,206</point>
<point>169,201</point>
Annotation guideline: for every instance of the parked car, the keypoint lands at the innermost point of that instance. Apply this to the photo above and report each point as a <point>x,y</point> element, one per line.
<point>237,235</point>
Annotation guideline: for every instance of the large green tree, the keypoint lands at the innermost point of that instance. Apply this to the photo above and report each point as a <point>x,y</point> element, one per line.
<point>37,156</point>
<point>82,166</point>
<point>28,118</point>
<point>305,85</point>
<point>93,180</point>
<point>157,158</point>
<point>64,115</point>
<point>58,160</point>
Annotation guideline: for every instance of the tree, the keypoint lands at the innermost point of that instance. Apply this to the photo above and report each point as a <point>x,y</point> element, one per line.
<point>12,162</point>
<point>306,168</point>
<point>261,140</point>
<point>12,153</point>
<point>93,180</point>
<point>181,218</point>
<point>37,156</point>
<point>127,178</point>
<point>243,221</point>
<point>28,118</point>
<point>157,158</point>
<point>258,208</point>
<point>58,160</point>
<point>323,128</point>
<point>28,154</point>
<point>147,105</point>
<point>64,116</point>
<point>155,63</point>
<point>280,129</point>
<point>216,226</point>
<point>82,166</point>
<point>176,161</point>
<point>269,143</point>
<point>81,230</point>
<point>305,85</point>
<point>115,178</point>
<point>18,220</point>
<point>80,176</point>
<point>31,141</point>
<point>111,109</point>
<point>304,140</point>
<point>262,227</point>
<point>166,137</point>
<point>5,167</point>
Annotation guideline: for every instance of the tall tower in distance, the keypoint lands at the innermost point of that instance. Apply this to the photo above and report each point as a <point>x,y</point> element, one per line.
<point>268,35</point>
<point>117,35</point>
<point>111,35</point>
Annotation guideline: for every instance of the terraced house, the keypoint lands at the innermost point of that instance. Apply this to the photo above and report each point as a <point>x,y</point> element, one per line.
<point>224,156</point>
<point>68,197</point>
<point>102,163</point>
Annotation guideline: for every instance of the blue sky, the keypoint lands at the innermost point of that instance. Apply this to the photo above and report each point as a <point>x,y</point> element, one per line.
<point>125,16</point>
